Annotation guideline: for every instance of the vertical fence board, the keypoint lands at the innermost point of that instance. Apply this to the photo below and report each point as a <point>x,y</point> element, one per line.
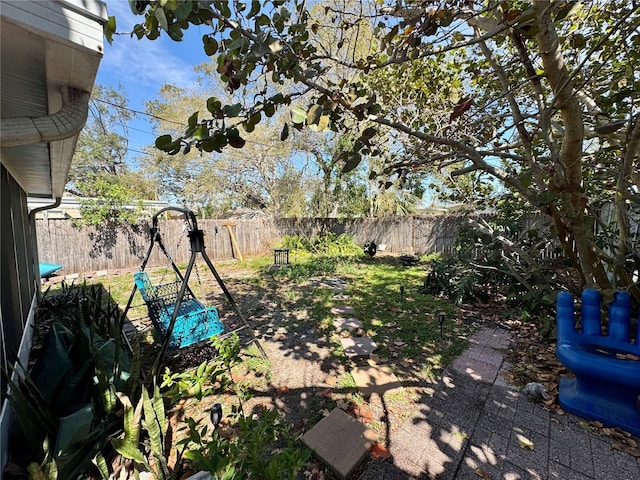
<point>88,249</point>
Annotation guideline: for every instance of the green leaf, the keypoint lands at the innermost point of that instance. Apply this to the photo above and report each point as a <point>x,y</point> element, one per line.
<point>201,368</point>
<point>285,132</point>
<point>214,106</point>
<point>200,132</point>
<point>232,110</point>
<point>255,9</point>
<point>162,141</point>
<point>210,45</point>
<point>162,19</point>
<point>298,115</point>
<point>109,29</point>
<point>193,120</point>
<point>255,118</point>
<point>101,464</point>
<point>322,125</point>
<point>173,147</point>
<point>269,110</point>
<point>368,134</point>
<point>217,142</point>
<point>153,421</point>
<point>223,7</point>
<point>175,32</point>
<point>351,161</point>
<point>183,10</point>
<point>134,4</point>
<point>74,430</point>
<point>230,473</point>
<point>127,450</point>
<point>314,114</point>
<point>234,138</point>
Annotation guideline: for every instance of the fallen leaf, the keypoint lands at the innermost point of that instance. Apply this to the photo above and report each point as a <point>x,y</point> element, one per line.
<point>380,451</point>
<point>282,390</point>
<point>331,381</point>
<point>623,448</point>
<point>550,402</point>
<point>482,474</point>
<point>525,443</point>
<point>627,356</point>
<point>327,393</point>
<point>361,412</point>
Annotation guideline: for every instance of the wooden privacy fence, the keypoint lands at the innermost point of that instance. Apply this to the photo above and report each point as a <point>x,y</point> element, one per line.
<point>86,249</point>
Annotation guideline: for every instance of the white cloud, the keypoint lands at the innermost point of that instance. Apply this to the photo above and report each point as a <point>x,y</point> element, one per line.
<point>143,66</point>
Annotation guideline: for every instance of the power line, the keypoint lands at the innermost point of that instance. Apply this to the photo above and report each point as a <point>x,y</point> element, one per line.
<point>138,112</point>
<point>162,119</point>
<point>139,130</point>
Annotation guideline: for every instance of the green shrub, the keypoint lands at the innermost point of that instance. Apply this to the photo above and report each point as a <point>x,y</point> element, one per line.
<point>295,242</point>
<point>65,405</point>
<point>454,280</point>
<point>328,244</point>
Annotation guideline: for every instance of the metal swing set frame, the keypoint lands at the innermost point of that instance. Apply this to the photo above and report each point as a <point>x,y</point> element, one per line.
<point>177,315</point>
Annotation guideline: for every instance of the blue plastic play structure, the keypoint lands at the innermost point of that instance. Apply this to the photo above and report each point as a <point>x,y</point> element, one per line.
<point>48,269</point>
<point>194,323</point>
<point>606,386</point>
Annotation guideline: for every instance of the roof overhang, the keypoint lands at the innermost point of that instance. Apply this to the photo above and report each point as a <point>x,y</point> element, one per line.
<point>48,49</point>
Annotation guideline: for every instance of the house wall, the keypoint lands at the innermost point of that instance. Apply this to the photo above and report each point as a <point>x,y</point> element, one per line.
<point>19,278</point>
<point>19,282</point>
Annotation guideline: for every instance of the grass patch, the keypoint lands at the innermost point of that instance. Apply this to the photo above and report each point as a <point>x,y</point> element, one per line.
<point>402,321</point>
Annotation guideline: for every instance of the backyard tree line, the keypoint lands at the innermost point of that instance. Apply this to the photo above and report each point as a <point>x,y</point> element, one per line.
<point>520,106</point>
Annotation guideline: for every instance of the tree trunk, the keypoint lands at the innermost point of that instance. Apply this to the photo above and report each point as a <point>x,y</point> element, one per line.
<point>567,181</point>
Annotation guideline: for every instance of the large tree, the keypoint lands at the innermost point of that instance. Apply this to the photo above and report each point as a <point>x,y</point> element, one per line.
<point>261,175</point>
<point>540,95</point>
<point>103,172</point>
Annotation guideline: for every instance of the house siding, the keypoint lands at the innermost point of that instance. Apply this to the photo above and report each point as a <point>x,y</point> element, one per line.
<point>60,20</point>
<point>18,280</point>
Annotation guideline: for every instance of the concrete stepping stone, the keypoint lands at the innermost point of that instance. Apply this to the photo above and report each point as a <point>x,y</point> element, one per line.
<point>358,346</point>
<point>347,323</point>
<point>376,379</point>
<point>335,284</point>
<point>342,309</point>
<point>341,441</point>
<point>341,297</point>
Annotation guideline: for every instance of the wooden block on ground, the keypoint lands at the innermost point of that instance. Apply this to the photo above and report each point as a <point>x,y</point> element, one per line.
<point>358,346</point>
<point>376,379</point>
<point>341,441</point>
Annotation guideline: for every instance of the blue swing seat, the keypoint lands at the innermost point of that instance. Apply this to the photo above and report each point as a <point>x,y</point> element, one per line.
<point>194,322</point>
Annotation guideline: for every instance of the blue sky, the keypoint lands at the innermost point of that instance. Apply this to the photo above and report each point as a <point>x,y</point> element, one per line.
<point>141,67</point>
